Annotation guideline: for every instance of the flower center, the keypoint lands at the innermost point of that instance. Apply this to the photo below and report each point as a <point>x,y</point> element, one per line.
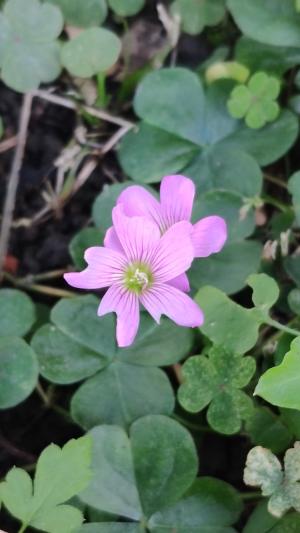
<point>138,277</point>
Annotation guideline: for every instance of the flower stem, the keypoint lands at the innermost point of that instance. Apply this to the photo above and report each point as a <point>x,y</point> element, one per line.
<point>250,495</point>
<point>282,327</point>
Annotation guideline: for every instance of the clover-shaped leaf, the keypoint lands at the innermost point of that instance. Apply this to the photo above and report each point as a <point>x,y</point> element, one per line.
<point>256,100</point>
<point>225,320</point>
<point>195,16</point>
<point>280,385</point>
<point>82,14</point>
<point>264,470</point>
<point>29,52</point>
<point>216,381</point>
<point>93,50</point>
<point>265,293</point>
<point>77,345</point>
<point>60,475</point>
<point>126,8</point>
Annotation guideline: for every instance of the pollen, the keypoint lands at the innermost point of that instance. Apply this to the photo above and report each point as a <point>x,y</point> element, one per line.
<point>138,277</point>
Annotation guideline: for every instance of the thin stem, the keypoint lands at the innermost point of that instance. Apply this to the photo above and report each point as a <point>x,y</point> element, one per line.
<point>276,203</point>
<point>22,528</point>
<point>178,372</point>
<point>42,394</point>
<point>70,104</point>
<point>13,179</point>
<point>102,99</point>
<point>43,289</point>
<point>275,180</point>
<point>250,495</point>
<point>52,274</point>
<point>282,327</point>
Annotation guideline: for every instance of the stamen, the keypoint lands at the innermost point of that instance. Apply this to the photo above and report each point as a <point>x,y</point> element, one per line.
<point>138,277</point>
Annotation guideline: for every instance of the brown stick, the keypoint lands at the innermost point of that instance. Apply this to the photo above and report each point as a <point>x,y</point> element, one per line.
<point>13,180</point>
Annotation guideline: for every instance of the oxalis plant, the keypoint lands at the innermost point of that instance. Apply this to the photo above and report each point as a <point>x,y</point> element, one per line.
<point>150,379</point>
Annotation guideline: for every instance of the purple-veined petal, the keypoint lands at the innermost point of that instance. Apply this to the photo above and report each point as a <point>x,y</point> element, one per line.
<point>137,201</point>
<point>162,299</point>
<point>175,252</point>
<point>105,267</point>
<point>125,304</point>
<point>209,236</point>
<point>181,282</point>
<point>111,240</point>
<point>139,236</point>
<point>176,198</point>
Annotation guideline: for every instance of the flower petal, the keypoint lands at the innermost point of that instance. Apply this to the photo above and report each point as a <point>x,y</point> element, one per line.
<point>176,198</point>
<point>181,282</point>
<point>175,252</point>
<point>137,201</point>
<point>105,267</point>
<point>126,305</point>
<point>209,236</point>
<point>162,299</point>
<point>111,240</point>
<point>139,236</point>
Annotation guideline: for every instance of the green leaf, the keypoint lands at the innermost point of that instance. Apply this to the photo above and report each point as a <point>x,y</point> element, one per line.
<point>265,291</point>
<point>165,461</point>
<point>261,521</point>
<point>94,50</point>
<point>280,385</point>
<point>268,430</point>
<point>264,470</point>
<point>121,394</point>
<point>256,100</point>
<point>19,371</point>
<point>272,22</point>
<point>228,205</point>
<point>195,16</point>
<point>292,267</point>
<point>17,313</point>
<point>29,53</point>
<point>81,241</point>
<point>60,474</point>
<point>272,59</point>
<point>215,381</point>
<point>126,8</point>
<point>294,190</point>
<point>138,476</point>
<point>112,488</point>
<point>270,143</point>
<point>178,134</point>
<point>229,269</point>
<point>291,419</point>
<point>135,154</point>
<point>157,97</point>
<point>210,505</point>
<point>110,528</point>
<point>63,360</point>
<point>80,344</point>
<point>79,14</point>
<point>225,319</point>
<point>220,167</point>
<point>155,344</point>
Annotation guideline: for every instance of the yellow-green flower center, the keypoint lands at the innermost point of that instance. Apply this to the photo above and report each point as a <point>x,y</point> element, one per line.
<point>138,277</point>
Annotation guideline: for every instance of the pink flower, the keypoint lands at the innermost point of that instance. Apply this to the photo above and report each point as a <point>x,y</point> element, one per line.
<point>176,203</point>
<point>138,268</point>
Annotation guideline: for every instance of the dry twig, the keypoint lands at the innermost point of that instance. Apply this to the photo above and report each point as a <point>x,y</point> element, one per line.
<point>13,180</point>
